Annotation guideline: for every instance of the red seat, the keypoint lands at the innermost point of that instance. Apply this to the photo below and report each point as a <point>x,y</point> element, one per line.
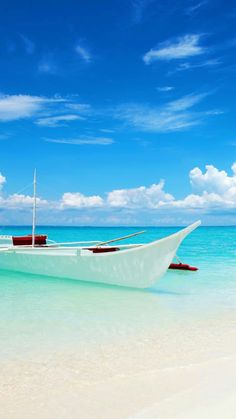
<point>27,240</point>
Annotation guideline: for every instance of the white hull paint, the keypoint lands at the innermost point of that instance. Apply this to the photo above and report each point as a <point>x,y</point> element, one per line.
<point>138,267</point>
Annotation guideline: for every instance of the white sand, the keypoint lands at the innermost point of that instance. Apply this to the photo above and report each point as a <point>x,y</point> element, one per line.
<point>181,373</point>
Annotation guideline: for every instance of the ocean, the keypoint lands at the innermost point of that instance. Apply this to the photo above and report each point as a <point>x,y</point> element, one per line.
<point>42,315</point>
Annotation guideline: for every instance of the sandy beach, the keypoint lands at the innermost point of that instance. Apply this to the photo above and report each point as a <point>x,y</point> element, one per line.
<point>183,372</point>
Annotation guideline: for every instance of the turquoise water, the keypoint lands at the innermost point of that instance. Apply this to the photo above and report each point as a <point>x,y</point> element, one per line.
<point>45,314</point>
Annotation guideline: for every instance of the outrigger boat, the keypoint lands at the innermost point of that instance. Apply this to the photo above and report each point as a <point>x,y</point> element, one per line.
<point>131,265</point>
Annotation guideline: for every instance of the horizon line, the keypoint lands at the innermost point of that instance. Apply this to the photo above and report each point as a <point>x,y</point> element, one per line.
<point>107,226</point>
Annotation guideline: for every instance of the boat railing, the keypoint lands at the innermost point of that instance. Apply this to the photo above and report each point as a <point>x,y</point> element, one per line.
<point>5,236</point>
<point>60,247</point>
<point>73,243</point>
<point>64,245</point>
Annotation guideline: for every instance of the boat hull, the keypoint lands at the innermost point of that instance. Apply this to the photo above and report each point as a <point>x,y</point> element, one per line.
<point>138,267</point>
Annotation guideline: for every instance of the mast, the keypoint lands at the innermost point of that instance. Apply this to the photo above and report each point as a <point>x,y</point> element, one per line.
<point>34,211</point>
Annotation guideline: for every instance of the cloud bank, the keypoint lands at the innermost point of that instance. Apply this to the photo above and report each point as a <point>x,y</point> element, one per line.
<point>212,190</point>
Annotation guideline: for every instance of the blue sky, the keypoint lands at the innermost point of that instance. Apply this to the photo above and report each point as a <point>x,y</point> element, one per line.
<point>126,108</point>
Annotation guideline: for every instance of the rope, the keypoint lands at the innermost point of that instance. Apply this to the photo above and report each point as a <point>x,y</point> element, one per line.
<point>178,259</point>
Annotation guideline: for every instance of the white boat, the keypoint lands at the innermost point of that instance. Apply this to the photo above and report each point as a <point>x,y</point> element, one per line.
<point>138,266</point>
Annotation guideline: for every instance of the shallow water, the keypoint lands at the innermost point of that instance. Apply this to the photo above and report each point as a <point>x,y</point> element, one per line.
<point>39,314</point>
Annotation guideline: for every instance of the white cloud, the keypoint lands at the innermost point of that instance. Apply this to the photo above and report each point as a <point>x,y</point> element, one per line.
<point>21,201</point>
<point>213,180</point>
<point>78,200</point>
<point>58,121</point>
<point>18,201</point>
<point>207,63</point>
<point>47,64</point>
<point>165,88</point>
<point>216,189</point>
<point>80,107</point>
<point>84,53</point>
<point>141,197</point>
<point>185,102</point>
<point>49,111</point>
<point>14,107</point>
<point>2,181</point>
<point>204,201</point>
<point>82,140</point>
<point>172,116</point>
<point>216,181</point>
<point>185,46</point>
<point>28,44</point>
<point>195,8</point>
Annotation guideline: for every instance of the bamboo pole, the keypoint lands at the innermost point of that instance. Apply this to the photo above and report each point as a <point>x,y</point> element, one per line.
<point>120,238</point>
